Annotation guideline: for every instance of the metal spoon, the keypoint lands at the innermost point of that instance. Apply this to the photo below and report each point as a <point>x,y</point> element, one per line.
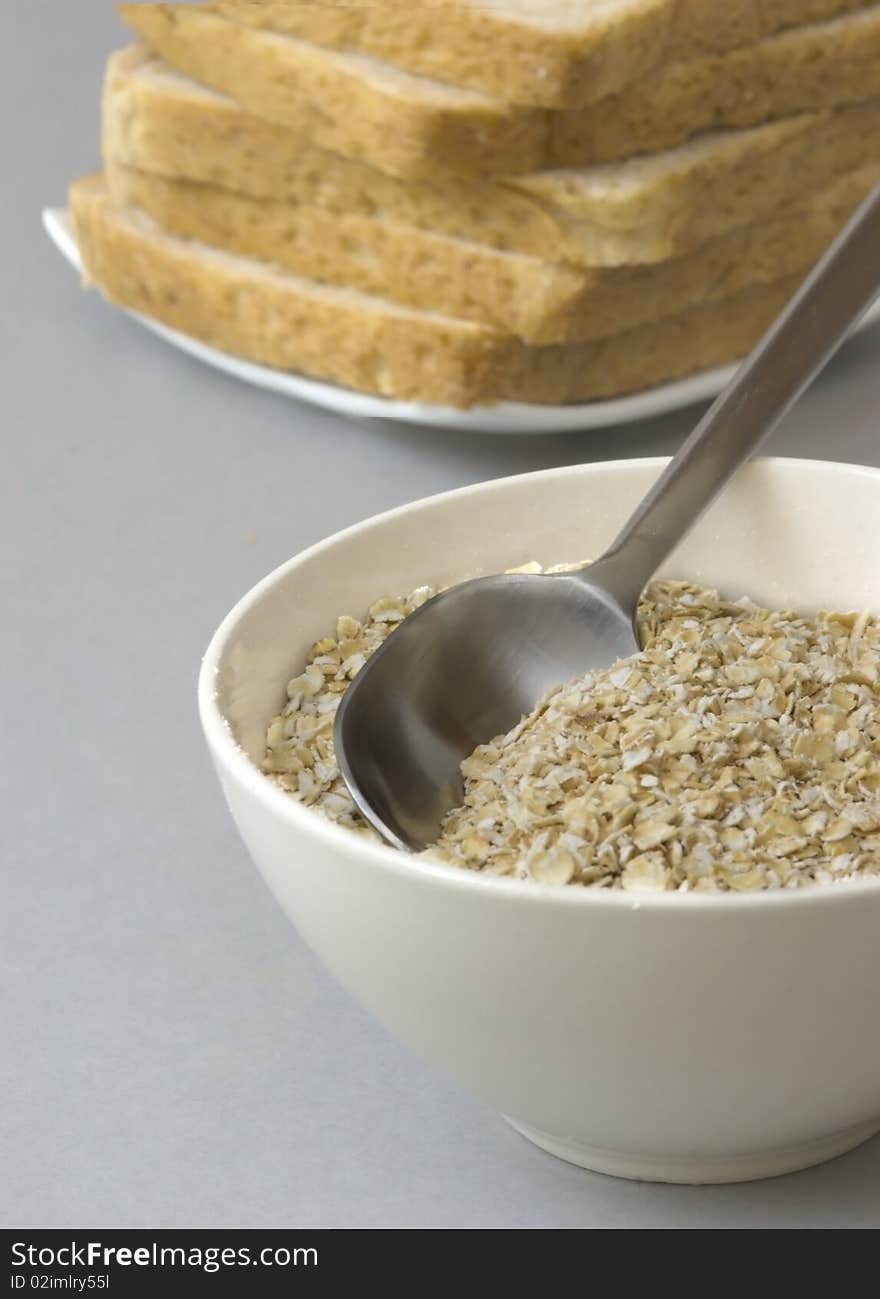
<point>472,661</point>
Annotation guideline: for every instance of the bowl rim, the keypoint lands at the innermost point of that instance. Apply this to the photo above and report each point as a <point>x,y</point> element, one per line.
<point>311,824</point>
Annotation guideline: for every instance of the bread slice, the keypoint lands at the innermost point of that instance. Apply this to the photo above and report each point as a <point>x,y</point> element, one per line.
<point>642,211</point>
<point>556,55</point>
<point>255,311</point>
<point>351,103</point>
<point>535,300</point>
<point>268,315</point>
<point>412,126</point>
<point>156,119</point>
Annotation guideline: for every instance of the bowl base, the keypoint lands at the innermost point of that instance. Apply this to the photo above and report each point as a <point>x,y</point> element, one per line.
<point>700,1170</point>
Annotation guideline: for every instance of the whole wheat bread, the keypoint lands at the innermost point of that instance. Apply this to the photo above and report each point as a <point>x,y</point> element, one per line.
<point>268,315</point>
<point>554,55</point>
<point>538,301</point>
<point>412,126</point>
<point>642,211</point>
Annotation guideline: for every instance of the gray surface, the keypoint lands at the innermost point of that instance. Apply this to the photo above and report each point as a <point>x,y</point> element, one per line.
<point>173,1055</point>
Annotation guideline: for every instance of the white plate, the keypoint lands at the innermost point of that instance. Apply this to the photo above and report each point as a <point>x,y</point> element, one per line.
<point>506,417</point>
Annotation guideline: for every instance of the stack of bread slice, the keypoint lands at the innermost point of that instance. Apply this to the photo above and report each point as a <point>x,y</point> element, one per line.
<point>466,201</point>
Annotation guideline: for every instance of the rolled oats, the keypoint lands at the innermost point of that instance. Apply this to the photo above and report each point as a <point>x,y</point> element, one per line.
<point>739,751</point>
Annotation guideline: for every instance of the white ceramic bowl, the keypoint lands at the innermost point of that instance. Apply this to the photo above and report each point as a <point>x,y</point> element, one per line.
<point>686,1038</point>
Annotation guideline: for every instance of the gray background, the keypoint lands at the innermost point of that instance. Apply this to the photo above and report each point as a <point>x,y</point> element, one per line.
<point>173,1056</point>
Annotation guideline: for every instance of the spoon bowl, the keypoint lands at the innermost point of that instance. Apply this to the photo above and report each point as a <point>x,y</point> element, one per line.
<point>464,667</point>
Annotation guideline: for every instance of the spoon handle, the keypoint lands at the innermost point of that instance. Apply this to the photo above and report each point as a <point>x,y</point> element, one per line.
<point>801,341</point>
